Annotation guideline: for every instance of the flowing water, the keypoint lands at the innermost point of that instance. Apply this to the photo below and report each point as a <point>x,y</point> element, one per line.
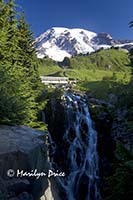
<point>80,153</point>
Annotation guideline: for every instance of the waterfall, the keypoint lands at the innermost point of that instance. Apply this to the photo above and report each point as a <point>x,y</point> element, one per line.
<point>79,151</point>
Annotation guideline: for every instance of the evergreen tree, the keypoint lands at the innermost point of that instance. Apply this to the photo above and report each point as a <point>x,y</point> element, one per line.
<point>131,24</point>
<point>131,57</point>
<point>18,76</point>
<point>27,53</point>
<point>66,62</point>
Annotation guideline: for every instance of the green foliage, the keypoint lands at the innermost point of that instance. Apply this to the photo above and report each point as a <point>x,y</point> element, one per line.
<point>131,57</point>
<point>65,63</point>
<point>121,183</point>
<point>113,66</point>
<point>19,80</point>
<point>48,67</point>
<point>110,59</point>
<point>122,153</point>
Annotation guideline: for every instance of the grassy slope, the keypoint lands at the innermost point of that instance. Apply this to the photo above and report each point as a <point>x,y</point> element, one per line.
<point>116,59</point>
<point>47,67</point>
<point>89,67</point>
<point>93,72</point>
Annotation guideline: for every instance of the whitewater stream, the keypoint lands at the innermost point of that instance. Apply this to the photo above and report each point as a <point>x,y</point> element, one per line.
<point>80,153</point>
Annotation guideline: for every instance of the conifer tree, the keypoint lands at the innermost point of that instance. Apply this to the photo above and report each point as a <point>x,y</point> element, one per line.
<point>17,71</point>
<point>27,52</point>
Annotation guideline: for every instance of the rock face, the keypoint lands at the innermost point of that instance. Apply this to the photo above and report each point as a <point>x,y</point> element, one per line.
<point>23,148</point>
<point>120,130</point>
<point>115,147</point>
<point>103,38</point>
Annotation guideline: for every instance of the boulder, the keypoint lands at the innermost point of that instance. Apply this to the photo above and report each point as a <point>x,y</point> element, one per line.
<point>22,148</point>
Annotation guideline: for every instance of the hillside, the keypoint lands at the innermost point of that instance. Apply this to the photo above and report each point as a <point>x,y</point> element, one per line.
<point>101,73</point>
<point>103,63</point>
<point>111,59</point>
<point>47,66</point>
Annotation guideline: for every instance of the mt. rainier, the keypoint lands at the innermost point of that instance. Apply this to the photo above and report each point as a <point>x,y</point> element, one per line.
<point>57,43</point>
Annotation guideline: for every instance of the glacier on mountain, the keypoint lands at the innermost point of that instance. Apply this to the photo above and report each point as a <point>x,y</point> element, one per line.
<point>58,43</point>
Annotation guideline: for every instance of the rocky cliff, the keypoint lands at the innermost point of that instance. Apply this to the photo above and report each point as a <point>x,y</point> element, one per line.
<point>115,147</point>
<point>24,150</point>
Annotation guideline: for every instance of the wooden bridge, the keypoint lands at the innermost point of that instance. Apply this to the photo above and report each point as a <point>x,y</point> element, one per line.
<point>56,80</point>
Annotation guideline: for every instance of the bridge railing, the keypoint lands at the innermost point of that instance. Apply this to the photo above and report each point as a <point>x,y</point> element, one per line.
<point>56,80</point>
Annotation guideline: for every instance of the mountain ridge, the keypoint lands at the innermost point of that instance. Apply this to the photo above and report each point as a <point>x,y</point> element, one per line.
<point>59,42</point>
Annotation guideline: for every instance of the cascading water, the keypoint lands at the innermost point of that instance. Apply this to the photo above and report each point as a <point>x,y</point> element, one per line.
<point>79,151</point>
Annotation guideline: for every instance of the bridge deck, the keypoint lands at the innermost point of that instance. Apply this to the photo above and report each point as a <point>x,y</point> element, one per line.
<point>54,80</point>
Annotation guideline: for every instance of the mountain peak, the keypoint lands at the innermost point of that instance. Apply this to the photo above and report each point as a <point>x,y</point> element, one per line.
<point>60,42</point>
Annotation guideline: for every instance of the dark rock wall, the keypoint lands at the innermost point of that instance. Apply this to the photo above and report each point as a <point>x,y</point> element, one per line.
<point>23,148</point>
<point>115,148</point>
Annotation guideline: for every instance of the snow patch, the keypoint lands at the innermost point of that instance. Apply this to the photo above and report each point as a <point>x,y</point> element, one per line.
<point>58,42</point>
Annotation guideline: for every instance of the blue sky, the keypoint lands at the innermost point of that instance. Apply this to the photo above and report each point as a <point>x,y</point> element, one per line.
<point>111,16</point>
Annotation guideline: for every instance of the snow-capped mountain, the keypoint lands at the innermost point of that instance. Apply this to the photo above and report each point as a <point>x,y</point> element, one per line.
<point>57,43</point>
